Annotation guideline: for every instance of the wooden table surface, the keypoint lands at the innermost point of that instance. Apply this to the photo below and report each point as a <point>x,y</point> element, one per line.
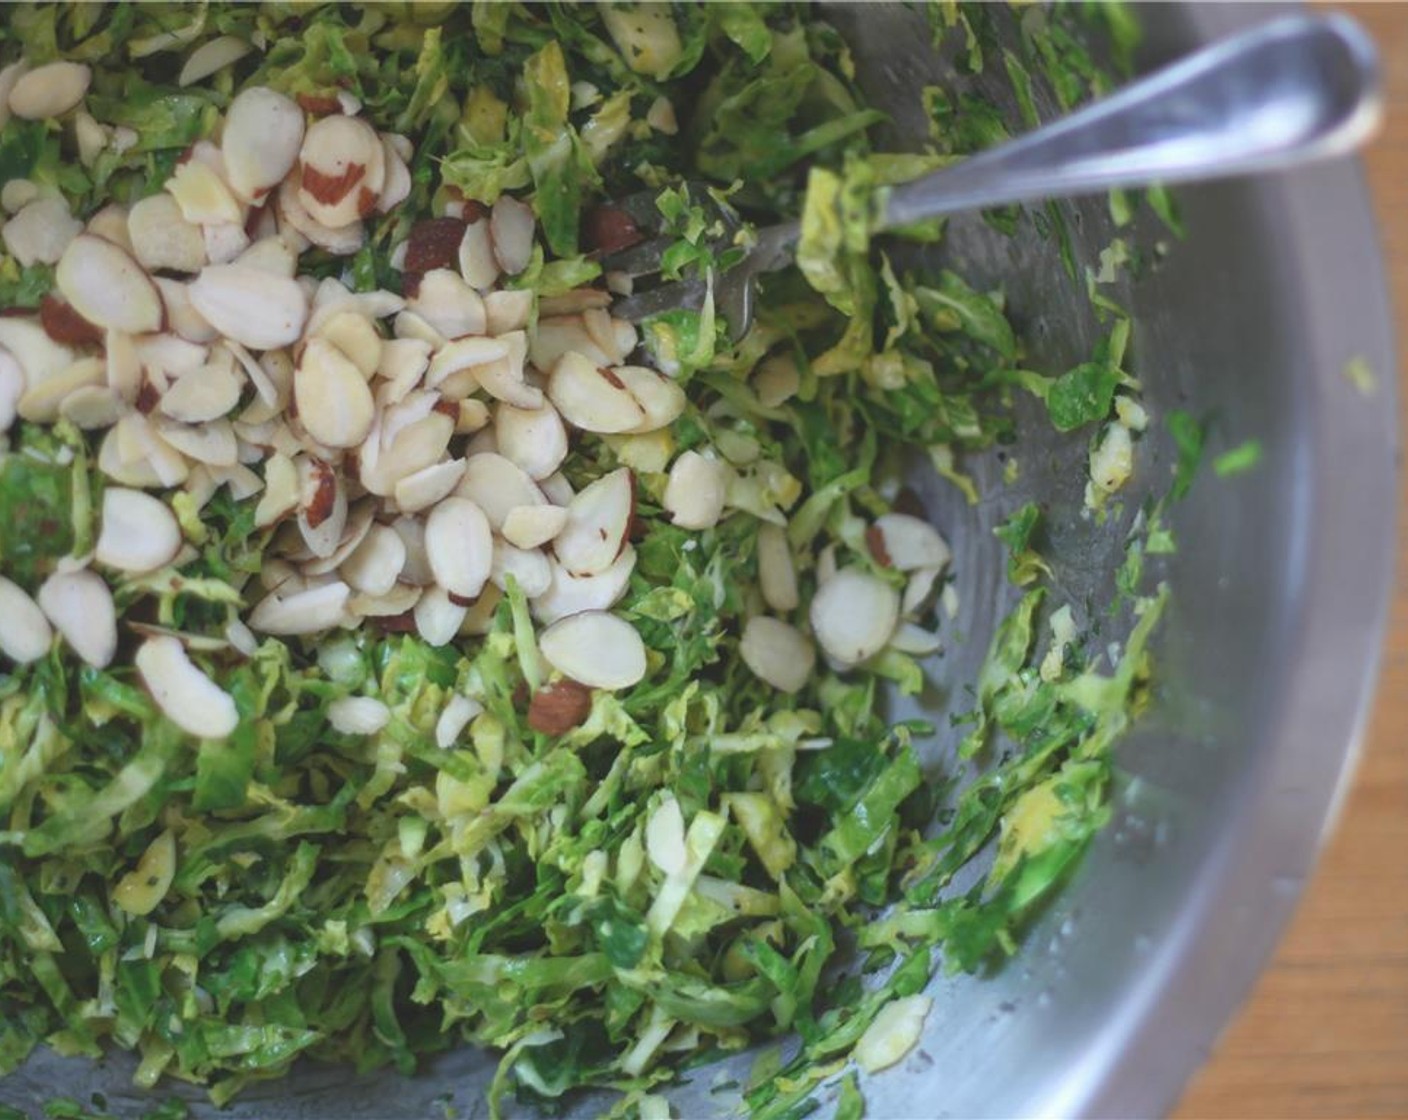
<point>1325,1033</point>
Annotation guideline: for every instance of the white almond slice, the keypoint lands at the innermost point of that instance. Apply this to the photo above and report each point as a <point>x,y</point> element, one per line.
<point>80,607</point>
<point>416,570</point>
<point>211,57</point>
<point>438,618</point>
<point>910,543</point>
<point>460,547</point>
<point>694,496</point>
<point>777,653</point>
<point>185,695</point>
<point>203,394</point>
<point>626,336</point>
<point>402,363</point>
<point>113,464</point>
<point>40,232</point>
<point>478,265</point>
<point>182,318</point>
<point>777,572</point>
<point>356,337</point>
<point>483,443</point>
<point>170,355</point>
<point>250,306</point>
<point>507,310</point>
<point>461,354</point>
<point>11,389</point>
<point>50,90</point>
<point>38,355</point>
<point>417,406</point>
<point>496,486</point>
<point>528,566</point>
<point>534,439</point>
<point>569,594</point>
<point>358,715</point>
<point>592,398</point>
<point>397,187</point>
<point>533,526</point>
<point>202,195</point>
<point>598,523</point>
<point>473,416</point>
<point>123,365</point>
<point>553,338</point>
<point>262,135</point>
<point>777,381</point>
<point>107,287</point>
<point>664,837</point>
<point>162,238</point>
<point>915,640</point>
<point>43,403</point>
<point>448,304</point>
<point>239,480</point>
<point>296,222</point>
<point>893,1033</point>
<point>400,599</point>
<point>90,137</point>
<point>376,563</point>
<point>853,615</point>
<point>596,649</point>
<point>25,634</point>
<point>576,302</point>
<point>302,612</point>
<point>16,194</point>
<point>416,447</point>
<point>557,489</point>
<point>599,326</point>
<point>356,526</point>
<point>334,403</point>
<point>342,169</point>
<point>139,532</point>
<point>423,489</point>
<point>454,718</point>
<point>282,491</point>
<point>511,229</point>
<point>213,444</point>
<point>272,255</point>
<point>661,399</point>
<point>918,589</point>
<point>224,241</point>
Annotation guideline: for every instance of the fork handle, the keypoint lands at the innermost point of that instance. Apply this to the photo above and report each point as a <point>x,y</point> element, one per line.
<point>1294,90</point>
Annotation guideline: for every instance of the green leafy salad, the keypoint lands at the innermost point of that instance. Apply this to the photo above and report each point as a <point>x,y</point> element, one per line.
<point>401,650</point>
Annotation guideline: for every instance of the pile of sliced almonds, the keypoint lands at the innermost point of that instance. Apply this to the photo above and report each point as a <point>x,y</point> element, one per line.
<point>405,451</point>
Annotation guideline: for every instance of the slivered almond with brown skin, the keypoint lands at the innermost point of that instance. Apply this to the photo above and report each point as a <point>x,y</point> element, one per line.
<point>107,287</point>
<point>25,634</point>
<point>533,526</point>
<point>496,486</point>
<point>907,543</point>
<point>534,439</point>
<point>303,612</point>
<point>660,399</point>
<point>375,565</point>
<point>281,491</point>
<point>434,243</point>
<point>356,525</point>
<point>777,572</point>
<point>558,707</point>
<point>694,496</point>
<point>262,135</point>
<point>334,403</point>
<point>185,695</point>
<point>139,532</point>
<point>50,90</point>
<point>65,325</point>
<point>341,165</point>
<point>777,653</point>
<point>460,546</point>
<point>250,306</point>
<point>598,521</point>
<point>478,265</point>
<point>853,615</point>
<point>591,398</point>
<point>80,607</point>
<point>511,230</point>
<point>595,649</point>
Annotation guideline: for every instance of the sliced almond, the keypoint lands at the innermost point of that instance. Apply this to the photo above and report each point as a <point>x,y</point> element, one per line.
<point>853,615</point>
<point>454,718</point>
<point>90,137</point>
<point>533,526</point>
<point>342,169</point>
<point>11,389</point>
<point>110,223</point>
<point>211,57</point>
<point>694,496</point>
<point>397,187</point>
<point>356,337</point>
<point>661,399</point>
<point>473,416</point>
<point>400,600</point>
<point>591,398</point>
<point>508,310</point>
<point>131,454</point>
<point>169,356</point>
<point>185,695</point>
<point>358,715</point>
<point>302,612</point>
<point>428,486</point>
<point>41,403</point>
<point>41,231</point>
<point>478,265</point>
<point>533,439</point>
<point>777,380</point>
<point>282,491</point>
<point>402,362</point>
<point>239,480</point>
<point>411,326</point>
<point>107,287</point>
<point>334,403</point>
<point>598,522</point>
<point>295,222</point>
<point>356,526</point>
<point>416,570</point>
<point>16,194</point>
<point>511,228</point>
<point>139,532</point>
<point>777,573</point>
<point>918,589</point>
<point>496,486</point>
<point>555,337</point>
<point>448,304</point>
<point>224,241</point>
<point>915,640</point>
<point>528,567</point>
<point>80,606</point>
<point>462,354</point>
<point>202,195</point>
<point>777,653</point>
<point>910,543</point>
<point>250,306</point>
<point>376,564</point>
<point>181,314</point>
<point>272,255</point>
<point>460,546</point>
<point>50,90</point>
<point>569,594</point>
<point>557,489</point>
<point>596,649</point>
<point>576,302</point>
<point>25,634</point>
<point>262,135</point>
<point>417,446</point>
<point>204,394</point>
<point>438,617</point>
<point>39,356</point>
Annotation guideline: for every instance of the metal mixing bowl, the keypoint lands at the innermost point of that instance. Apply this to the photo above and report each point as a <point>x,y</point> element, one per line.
<point>1266,658</point>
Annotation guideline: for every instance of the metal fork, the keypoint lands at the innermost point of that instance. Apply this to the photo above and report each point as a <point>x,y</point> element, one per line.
<point>1293,91</point>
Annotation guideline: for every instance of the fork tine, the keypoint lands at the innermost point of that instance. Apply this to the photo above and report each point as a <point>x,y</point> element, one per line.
<point>642,259</point>
<point>686,293</point>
